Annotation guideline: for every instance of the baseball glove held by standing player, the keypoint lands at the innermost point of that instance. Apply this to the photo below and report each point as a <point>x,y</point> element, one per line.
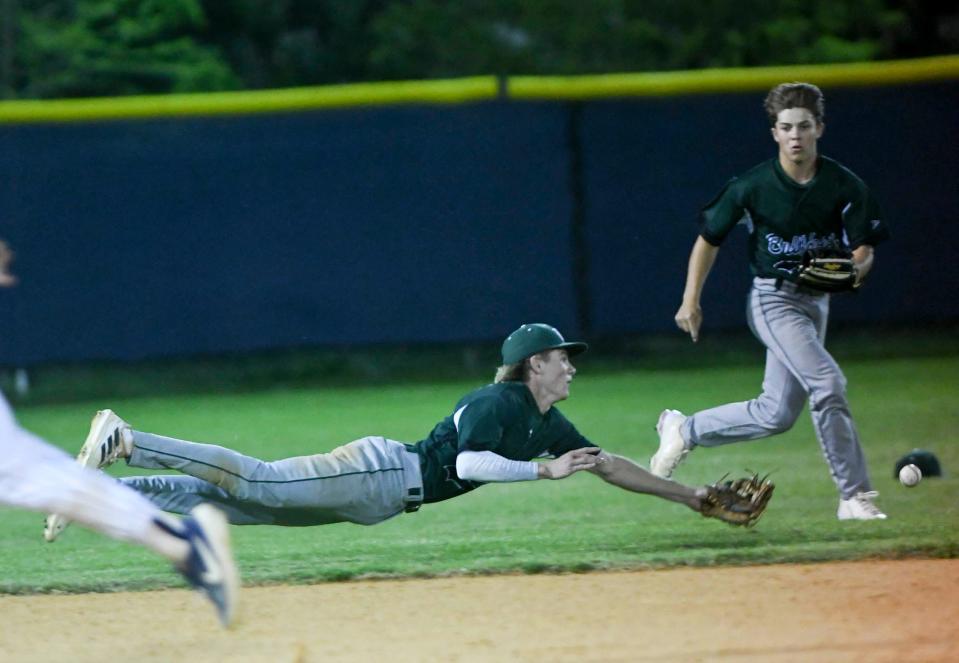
<point>738,501</point>
<point>828,271</point>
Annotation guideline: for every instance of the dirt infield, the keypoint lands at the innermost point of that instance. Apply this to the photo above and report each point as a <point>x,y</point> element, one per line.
<point>863,611</point>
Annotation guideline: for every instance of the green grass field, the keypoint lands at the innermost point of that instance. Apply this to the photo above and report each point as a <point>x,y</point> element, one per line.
<point>572,525</point>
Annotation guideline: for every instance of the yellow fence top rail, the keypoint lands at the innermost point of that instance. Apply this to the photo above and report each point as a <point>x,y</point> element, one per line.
<point>476,89</point>
<point>676,83</point>
<point>257,101</point>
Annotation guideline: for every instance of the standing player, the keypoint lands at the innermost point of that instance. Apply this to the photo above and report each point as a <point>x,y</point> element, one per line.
<point>37,476</point>
<point>493,434</point>
<point>799,201</point>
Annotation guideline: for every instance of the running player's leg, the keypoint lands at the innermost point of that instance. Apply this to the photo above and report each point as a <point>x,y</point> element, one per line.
<point>37,476</point>
<point>832,419</point>
<point>774,411</point>
<point>792,325</point>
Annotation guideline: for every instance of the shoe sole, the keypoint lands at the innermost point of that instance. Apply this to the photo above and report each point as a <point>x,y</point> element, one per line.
<point>845,517</point>
<point>54,524</point>
<point>217,531</point>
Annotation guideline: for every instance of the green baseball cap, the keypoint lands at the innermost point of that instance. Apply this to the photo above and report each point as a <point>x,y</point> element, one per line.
<point>536,337</point>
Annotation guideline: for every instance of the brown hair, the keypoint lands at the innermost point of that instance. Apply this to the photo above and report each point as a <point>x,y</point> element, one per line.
<point>795,95</point>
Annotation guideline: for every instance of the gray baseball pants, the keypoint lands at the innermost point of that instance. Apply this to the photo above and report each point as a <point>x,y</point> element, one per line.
<point>365,481</point>
<point>791,323</point>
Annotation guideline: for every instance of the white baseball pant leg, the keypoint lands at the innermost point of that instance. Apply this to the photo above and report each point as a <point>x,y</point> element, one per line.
<point>38,476</point>
<point>791,323</point>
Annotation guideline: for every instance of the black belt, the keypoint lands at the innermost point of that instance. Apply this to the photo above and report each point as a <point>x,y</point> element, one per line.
<point>792,286</point>
<point>414,500</point>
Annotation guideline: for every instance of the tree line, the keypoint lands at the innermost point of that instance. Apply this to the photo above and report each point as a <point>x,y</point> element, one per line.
<point>84,48</point>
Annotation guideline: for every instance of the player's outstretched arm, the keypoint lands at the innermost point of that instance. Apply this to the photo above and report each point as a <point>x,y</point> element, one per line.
<point>689,317</point>
<point>628,475</point>
<point>487,466</point>
<point>586,458</point>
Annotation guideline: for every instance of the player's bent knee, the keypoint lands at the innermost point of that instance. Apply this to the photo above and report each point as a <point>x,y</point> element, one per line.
<point>778,419</point>
<point>781,423</point>
<point>830,394</point>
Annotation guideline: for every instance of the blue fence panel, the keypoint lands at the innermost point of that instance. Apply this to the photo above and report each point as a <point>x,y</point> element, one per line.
<point>431,224</point>
<point>651,165</point>
<point>386,225</point>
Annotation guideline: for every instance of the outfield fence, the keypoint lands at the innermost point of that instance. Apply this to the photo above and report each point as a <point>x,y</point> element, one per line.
<point>436,211</point>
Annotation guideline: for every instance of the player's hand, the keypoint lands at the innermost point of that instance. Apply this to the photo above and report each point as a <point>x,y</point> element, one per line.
<point>570,462</point>
<point>688,318</point>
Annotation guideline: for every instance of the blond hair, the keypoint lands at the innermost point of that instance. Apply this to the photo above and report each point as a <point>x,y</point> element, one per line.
<point>518,372</point>
<point>512,372</point>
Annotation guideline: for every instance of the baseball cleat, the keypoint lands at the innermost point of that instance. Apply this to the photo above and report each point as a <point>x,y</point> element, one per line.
<point>209,566</point>
<point>109,440</point>
<point>672,447</point>
<point>53,526</point>
<point>860,507</point>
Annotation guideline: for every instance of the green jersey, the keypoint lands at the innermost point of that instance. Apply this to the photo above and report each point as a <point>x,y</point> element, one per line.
<point>784,218</point>
<point>502,418</point>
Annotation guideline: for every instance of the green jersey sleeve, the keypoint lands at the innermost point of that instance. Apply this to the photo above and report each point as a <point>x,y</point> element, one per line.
<point>722,214</point>
<point>480,424</point>
<point>862,218</point>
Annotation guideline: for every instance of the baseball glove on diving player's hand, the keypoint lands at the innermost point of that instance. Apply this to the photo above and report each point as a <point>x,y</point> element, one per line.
<point>832,271</point>
<point>739,501</point>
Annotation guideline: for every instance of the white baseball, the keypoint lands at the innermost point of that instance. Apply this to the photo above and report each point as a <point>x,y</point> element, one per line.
<point>910,475</point>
